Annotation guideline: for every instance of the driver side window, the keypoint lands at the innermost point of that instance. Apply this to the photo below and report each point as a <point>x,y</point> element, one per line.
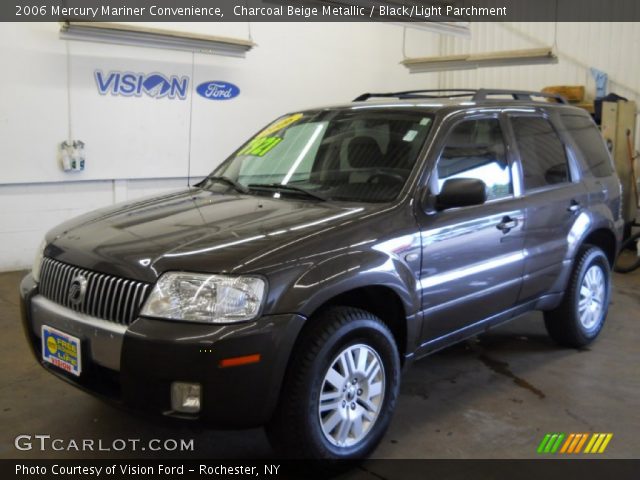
<point>475,149</point>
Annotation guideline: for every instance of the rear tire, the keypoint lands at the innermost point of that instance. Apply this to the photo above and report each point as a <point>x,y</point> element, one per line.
<point>340,390</point>
<point>581,315</point>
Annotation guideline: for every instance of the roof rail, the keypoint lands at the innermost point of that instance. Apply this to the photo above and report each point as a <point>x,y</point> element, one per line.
<point>526,95</point>
<point>453,92</point>
<point>475,95</point>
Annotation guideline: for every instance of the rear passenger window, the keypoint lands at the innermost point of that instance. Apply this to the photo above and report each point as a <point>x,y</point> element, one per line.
<point>476,149</point>
<point>543,157</point>
<point>590,143</point>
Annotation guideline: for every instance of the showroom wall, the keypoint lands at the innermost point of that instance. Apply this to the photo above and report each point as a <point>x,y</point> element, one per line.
<point>141,145</point>
<point>606,46</point>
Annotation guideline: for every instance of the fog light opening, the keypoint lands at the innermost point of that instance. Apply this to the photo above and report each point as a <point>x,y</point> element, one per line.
<point>186,397</point>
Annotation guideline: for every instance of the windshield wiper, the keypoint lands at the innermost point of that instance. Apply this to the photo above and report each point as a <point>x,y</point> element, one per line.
<point>290,188</point>
<point>229,181</point>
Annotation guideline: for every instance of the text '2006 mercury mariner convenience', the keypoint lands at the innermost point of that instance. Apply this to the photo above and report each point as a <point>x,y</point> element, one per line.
<point>291,287</point>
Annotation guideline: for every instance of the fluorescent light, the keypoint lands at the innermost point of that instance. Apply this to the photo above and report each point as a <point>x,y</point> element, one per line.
<point>471,61</point>
<point>457,29</point>
<point>121,34</point>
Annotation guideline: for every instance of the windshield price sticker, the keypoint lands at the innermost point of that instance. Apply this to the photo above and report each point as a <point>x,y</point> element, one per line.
<point>260,146</point>
<point>280,124</point>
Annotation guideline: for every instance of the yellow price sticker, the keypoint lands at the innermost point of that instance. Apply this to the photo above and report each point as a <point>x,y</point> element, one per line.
<point>259,147</point>
<point>280,124</point>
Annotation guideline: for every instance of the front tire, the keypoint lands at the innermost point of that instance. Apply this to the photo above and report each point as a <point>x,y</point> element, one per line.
<point>581,315</point>
<point>341,388</point>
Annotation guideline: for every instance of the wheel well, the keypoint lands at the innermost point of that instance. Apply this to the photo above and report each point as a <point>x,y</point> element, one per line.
<point>604,239</point>
<point>383,303</point>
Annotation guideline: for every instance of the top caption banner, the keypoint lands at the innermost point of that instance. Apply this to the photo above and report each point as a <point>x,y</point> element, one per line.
<point>322,10</point>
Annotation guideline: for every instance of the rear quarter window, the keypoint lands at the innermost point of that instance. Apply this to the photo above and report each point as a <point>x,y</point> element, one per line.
<point>590,144</point>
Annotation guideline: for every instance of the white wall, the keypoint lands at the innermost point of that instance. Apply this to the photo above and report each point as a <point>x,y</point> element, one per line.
<point>294,66</point>
<point>611,47</point>
<point>27,211</point>
<point>138,146</point>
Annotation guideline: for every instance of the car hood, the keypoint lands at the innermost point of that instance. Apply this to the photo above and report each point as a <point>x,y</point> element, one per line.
<point>195,230</point>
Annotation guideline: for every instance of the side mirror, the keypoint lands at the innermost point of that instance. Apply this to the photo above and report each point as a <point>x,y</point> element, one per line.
<point>461,192</point>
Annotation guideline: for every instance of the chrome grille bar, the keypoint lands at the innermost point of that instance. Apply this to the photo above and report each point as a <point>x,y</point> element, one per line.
<point>107,297</point>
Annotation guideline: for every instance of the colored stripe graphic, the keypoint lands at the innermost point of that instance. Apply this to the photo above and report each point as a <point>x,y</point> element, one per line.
<point>555,447</point>
<point>543,443</point>
<point>598,442</point>
<point>573,443</point>
<point>551,442</point>
<point>568,442</point>
<point>591,442</point>
<point>581,443</point>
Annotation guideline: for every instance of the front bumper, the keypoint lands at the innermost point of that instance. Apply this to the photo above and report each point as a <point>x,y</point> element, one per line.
<point>135,365</point>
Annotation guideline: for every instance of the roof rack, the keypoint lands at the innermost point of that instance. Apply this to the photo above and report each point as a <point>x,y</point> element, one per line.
<point>475,95</point>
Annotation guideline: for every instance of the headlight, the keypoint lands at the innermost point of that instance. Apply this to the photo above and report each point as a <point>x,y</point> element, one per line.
<point>205,298</point>
<point>37,262</point>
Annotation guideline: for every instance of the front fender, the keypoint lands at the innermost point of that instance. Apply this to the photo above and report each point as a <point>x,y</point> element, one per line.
<point>348,271</point>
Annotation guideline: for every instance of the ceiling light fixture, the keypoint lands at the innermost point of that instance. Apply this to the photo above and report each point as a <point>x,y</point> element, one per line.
<point>121,34</point>
<point>456,29</point>
<point>471,61</point>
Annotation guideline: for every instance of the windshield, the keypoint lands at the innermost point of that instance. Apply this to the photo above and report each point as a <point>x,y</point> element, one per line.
<point>351,155</point>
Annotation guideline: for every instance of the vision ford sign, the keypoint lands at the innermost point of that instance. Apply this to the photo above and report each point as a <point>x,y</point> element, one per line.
<point>218,90</point>
<point>128,84</point>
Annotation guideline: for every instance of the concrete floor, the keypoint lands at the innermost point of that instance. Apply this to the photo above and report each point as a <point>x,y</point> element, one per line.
<point>492,397</point>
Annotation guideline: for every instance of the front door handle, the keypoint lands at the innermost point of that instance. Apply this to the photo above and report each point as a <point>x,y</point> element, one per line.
<point>574,206</point>
<point>507,224</point>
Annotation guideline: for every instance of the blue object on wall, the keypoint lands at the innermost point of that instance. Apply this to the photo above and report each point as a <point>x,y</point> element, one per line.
<point>601,79</point>
<point>129,84</point>
<point>218,90</point>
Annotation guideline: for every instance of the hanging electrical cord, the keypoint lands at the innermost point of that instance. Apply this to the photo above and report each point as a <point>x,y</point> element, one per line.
<point>555,29</point>
<point>193,67</point>
<point>629,257</point>
<point>69,131</point>
<point>404,43</point>
<point>246,4</point>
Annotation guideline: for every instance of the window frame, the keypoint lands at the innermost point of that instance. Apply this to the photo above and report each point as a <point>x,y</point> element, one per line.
<point>450,123</point>
<point>577,150</point>
<point>570,158</point>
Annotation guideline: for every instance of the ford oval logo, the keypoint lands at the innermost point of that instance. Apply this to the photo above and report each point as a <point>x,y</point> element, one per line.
<point>218,90</point>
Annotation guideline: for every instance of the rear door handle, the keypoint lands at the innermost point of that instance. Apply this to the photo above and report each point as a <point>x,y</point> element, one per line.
<point>574,206</point>
<point>507,224</point>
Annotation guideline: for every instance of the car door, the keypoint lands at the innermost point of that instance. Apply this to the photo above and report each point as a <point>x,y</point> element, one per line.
<point>472,256</point>
<point>554,201</point>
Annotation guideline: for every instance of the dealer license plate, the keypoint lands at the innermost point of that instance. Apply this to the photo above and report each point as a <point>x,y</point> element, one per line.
<point>61,349</point>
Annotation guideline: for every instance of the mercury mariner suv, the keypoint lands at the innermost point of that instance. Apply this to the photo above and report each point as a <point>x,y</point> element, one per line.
<point>292,286</point>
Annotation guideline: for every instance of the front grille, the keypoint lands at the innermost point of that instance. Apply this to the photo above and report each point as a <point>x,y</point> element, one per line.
<point>107,297</point>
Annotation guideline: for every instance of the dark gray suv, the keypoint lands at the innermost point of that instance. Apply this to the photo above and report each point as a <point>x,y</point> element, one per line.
<point>291,286</point>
